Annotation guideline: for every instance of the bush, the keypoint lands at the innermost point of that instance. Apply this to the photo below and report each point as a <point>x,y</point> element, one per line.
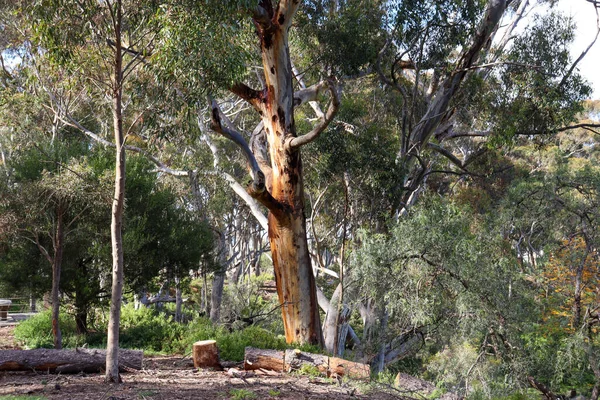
<point>232,345</point>
<point>152,331</point>
<point>149,330</point>
<point>36,332</point>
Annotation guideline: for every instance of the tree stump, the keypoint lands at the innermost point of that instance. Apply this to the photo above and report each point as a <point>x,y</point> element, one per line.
<point>4,306</point>
<point>266,359</point>
<point>206,354</point>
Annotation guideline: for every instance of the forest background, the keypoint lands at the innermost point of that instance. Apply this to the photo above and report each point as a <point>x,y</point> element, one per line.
<point>418,182</point>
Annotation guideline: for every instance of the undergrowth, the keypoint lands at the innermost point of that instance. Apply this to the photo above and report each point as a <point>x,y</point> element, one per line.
<point>152,332</point>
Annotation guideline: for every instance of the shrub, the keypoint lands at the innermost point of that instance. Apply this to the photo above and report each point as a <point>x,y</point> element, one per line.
<point>152,331</point>
<point>149,330</point>
<point>232,345</point>
<point>36,332</point>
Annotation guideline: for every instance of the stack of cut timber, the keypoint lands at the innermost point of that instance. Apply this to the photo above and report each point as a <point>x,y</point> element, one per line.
<point>292,360</point>
<point>66,361</point>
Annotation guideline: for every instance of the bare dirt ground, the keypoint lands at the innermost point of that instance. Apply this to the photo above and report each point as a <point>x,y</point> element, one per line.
<point>175,378</point>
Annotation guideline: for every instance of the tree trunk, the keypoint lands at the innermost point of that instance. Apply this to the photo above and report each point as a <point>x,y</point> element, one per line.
<point>32,303</point>
<point>578,290</point>
<point>178,300</point>
<point>81,321</point>
<point>112,344</point>
<point>295,359</point>
<point>81,303</point>
<point>595,391</point>
<point>278,182</point>
<point>287,225</point>
<point>379,362</point>
<point>65,361</point>
<point>331,321</point>
<point>56,269</point>
<point>292,360</point>
<point>216,295</point>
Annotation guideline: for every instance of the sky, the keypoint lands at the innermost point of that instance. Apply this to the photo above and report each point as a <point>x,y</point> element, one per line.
<point>584,16</point>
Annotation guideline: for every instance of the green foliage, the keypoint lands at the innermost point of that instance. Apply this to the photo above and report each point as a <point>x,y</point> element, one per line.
<point>203,47</point>
<point>22,397</point>
<point>242,394</point>
<point>36,332</point>
<point>232,345</point>
<point>245,303</point>
<point>536,93</point>
<point>152,331</point>
<point>146,329</point>
<point>309,370</point>
<point>344,37</point>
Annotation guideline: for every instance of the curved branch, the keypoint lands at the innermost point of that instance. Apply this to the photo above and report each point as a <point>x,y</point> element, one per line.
<point>217,118</point>
<point>295,142</point>
<point>438,108</point>
<point>252,96</point>
<point>310,93</point>
<point>70,121</point>
<point>258,188</point>
<point>583,53</point>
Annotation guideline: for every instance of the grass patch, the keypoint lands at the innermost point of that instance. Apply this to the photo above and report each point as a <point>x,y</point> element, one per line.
<point>242,394</point>
<point>22,397</point>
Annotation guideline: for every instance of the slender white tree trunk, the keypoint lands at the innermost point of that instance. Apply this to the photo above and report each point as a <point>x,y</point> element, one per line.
<point>112,345</point>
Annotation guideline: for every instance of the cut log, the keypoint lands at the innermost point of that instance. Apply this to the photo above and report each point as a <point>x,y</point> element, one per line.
<point>350,369</point>
<point>66,361</point>
<point>206,354</point>
<point>295,359</point>
<point>263,359</point>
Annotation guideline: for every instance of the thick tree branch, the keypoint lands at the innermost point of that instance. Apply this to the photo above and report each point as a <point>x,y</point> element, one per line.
<point>285,12</point>
<point>583,53</point>
<point>252,96</point>
<point>295,142</point>
<point>258,188</point>
<point>542,388</point>
<point>235,185</point>
<point>451,157</point>
<point>438,108</point>
<point>300,98</point>
<point>263,15</point>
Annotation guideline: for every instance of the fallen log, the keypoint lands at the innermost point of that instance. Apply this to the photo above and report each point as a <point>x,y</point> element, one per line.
<point>66,361</point>
<point>350,369</point>
<point>263,359</point>
<point>293,360</point>
<point>296,359</point>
